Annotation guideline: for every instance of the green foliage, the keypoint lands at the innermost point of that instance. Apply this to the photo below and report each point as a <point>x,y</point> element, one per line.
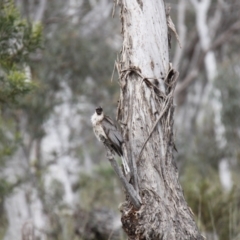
<point>9,140</point>
<point>18,39</point>
<point>13,85</point>
<point>215,211</point>
<point>85,64</point>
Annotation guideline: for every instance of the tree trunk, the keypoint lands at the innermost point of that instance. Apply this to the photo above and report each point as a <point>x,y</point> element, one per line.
<point>147,83</point>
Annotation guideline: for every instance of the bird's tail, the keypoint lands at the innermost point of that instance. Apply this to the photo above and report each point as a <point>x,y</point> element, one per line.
<point>125,165</point>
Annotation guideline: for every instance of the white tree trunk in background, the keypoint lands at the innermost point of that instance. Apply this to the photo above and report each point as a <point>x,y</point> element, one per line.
<point>146,90</point>
<point>25,206</point>
<point>211,94</point>
<point>40,11</point>
<point>181,31</point>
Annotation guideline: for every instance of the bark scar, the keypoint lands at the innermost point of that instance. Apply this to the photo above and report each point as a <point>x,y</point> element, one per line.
<point>165,108</point>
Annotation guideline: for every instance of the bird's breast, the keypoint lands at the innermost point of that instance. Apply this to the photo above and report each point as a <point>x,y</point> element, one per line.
<point>98,130</point>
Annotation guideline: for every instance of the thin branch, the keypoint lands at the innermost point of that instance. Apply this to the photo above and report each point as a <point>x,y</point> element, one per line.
<point>224,37</point>
<point>185,83</point>
<point>134,197</point>
<point>113,71</point>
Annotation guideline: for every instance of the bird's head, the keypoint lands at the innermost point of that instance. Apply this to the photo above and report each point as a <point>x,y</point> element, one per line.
<point>99,110</point>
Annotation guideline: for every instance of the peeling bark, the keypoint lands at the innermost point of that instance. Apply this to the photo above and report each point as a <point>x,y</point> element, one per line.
<point>145,113</point>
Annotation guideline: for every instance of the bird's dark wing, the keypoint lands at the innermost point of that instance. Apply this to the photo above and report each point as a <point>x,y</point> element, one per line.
<point>111,126</point>
<point>113,134</point>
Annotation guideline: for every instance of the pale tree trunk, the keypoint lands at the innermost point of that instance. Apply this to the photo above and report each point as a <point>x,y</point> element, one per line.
<point>147,83</point>
<point>211,94</point>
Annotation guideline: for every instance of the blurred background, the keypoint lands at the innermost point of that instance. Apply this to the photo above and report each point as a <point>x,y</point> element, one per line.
<point>56,65</point>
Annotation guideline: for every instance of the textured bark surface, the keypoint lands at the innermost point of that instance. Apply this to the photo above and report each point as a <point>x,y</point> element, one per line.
<point>147,84</point>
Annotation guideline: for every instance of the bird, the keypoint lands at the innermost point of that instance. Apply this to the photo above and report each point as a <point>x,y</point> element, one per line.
<point>107,132</point>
